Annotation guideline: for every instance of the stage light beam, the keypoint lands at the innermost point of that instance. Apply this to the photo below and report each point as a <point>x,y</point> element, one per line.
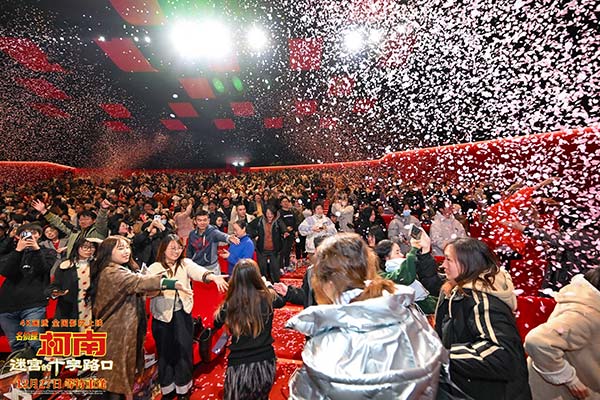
<point>353,41</point>
<point>257,39</point>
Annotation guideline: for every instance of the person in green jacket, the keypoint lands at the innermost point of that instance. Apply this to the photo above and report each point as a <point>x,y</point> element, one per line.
<point>417,269</point>
<point>91,226</point>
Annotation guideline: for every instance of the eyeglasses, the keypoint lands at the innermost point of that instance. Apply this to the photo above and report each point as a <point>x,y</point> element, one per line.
<point>88,247</point>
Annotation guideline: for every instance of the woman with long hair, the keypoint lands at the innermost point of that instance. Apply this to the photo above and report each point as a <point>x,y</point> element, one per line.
<point>71,282</point>
<point>370,334</point>
<point>475,321</point>
<point>172,325</point>
<point>117,293</point>
<point>248,313</point>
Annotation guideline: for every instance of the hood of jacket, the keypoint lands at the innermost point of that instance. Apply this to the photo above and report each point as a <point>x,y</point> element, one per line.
<point>381,346</point>
<point>579,292</point>
<point>503,288</point>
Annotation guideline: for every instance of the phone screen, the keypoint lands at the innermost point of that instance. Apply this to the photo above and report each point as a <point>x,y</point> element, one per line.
<point>415,232</point>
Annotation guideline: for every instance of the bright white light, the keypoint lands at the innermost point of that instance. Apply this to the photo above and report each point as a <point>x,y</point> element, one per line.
<point>102,39</point>
<point>257,39</point>
<point>147,39</point>
<point>136,39</point>
<point>353,41</point>
<point>172,115</point>
<point>235,164</point>
<point>375,35</point>
<point>209,39</point>
<point>175,95</point>
<point>241,163</point>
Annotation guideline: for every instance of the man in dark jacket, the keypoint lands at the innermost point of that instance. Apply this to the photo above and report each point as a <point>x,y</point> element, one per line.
<point>268,232</point>
<point>22,298</point>
<point>287,215</point>
<point>146,243</point>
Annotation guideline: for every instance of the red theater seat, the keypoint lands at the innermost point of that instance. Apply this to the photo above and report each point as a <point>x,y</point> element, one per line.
<point>531,312</point>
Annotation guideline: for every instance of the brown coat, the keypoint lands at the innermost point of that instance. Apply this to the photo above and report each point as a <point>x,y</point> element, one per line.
<point>117,304</point>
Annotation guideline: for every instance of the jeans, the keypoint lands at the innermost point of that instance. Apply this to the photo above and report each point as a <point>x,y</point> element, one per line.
<point>10,323</point>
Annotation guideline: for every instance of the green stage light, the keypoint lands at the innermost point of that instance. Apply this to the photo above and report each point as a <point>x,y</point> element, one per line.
<point>218,84</point>
<point>237,84</point>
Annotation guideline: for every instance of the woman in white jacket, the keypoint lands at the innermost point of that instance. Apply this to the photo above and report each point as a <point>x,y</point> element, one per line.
<point>172,325</point>
<point>564,352</point>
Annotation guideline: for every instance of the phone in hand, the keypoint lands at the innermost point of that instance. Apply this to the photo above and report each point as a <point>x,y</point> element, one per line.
<point>415,232</point>
<point>26,235</point>
<point>157,217</point>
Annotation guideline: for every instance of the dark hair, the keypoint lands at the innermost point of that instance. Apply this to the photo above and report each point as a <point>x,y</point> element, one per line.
<point>244,301</point>
<point>162,248</point>
<point>241,223</point>
<point>441,204</point>
<point>31,227</point>
<point>201,213</point>
<point>593,277</point>
<point>317,204</point>
<point>87,213</point>
<point>273,211</point>
<point>103,260</point>
<point>475,258</point>
<point>75,251</point>
<point>318,240</point>
<point>346,261</point>
<point>383,250</point>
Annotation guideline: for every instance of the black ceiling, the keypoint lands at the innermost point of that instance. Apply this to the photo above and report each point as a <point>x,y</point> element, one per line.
<point>476,70</point>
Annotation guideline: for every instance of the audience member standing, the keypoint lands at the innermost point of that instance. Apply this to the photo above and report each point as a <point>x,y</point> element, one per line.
<point>172,325</point>
<point>22,295</point>
<point>203,243</point>
<point>268,232</point>
<point>564,352</point>
<point>475,321</point>
<point>248,313</point>
<point>444,228</point>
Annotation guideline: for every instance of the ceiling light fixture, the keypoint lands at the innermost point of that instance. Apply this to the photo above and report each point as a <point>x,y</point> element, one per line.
<point>257,39</point>
<point>207,39</point>
<point>353,41</point>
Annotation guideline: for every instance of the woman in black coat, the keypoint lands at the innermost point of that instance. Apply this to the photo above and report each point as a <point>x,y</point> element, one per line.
<point>70,284</point>
<point>475,321</point>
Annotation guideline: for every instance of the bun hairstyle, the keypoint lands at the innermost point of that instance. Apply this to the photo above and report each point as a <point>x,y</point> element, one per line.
<point>346,262</point>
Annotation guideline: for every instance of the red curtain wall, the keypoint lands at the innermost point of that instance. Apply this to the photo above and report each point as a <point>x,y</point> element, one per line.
<point>529,158</point>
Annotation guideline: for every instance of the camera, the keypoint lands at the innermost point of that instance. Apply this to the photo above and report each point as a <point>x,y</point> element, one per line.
<point>157,217</point>
<point>26,235</point>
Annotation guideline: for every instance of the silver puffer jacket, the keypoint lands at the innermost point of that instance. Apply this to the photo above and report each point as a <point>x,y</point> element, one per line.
<point>380,348</point>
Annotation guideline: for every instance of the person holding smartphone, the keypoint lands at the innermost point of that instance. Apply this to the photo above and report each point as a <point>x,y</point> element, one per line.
<point>22,297</point>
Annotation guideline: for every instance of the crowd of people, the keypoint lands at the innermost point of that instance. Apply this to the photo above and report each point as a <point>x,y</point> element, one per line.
<point>102,246</point>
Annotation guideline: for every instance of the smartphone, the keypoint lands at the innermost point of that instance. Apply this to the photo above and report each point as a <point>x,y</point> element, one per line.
<point>415,232</point>
<point>157,217</point>
<point>26,235</point>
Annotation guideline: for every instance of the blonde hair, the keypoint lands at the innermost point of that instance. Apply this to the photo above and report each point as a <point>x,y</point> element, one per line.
<point>347,262</point>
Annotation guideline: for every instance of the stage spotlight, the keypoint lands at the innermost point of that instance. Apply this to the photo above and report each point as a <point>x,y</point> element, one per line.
<point>257,39</point>
<point>375,35</point>
<point>353,41</point>
<point>101,39</point>
<point>209,39</point>
<point>241,163</point>
<point>236,164</point>
<point>147,39</point>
